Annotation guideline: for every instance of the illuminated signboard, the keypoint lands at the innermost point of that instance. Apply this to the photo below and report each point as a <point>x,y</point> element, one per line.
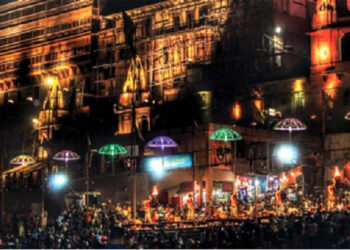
<point>158,165</point>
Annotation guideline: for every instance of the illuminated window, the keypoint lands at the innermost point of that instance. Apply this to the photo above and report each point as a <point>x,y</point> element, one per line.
<point>278,48</point>
<point>300,102</point>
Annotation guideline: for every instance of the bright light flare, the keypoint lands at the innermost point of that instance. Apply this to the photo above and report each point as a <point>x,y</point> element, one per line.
<point>157,167</point>
<point>58,181</point>
<point>49,80</point>
<point>278,30</point>
<point>287,154</point>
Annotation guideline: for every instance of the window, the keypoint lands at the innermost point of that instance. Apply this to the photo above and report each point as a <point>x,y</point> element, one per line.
<point>50,5</point>
<point>28,11</point>
<point>300,104</point>
<point>144,124</point>
<point>346,97</point>
<point>189,20</point>
<point>176,23</point>
<point>203,13</point>
<point>345,47</point>
<point>285,6</point>
<point>166,55</point>
<point>148,27</point>
<point>40,8</point>
<point>4,18</point>
<point>15,14</point>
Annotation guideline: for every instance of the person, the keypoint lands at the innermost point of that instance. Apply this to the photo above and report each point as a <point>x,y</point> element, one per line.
<point>44,220</point>
<point>222,212</point>
<point>190,207</point>
<point>147,207</point>
<point>331,195</point>
<point>234,209</point>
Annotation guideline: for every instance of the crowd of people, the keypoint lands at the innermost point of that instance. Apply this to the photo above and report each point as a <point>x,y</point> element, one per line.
<point>191,226</point>
<point>316,230</point>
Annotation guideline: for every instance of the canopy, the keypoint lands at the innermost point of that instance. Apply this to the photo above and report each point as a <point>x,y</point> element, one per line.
<point>162,142</point>
<point>112,150</point>
<point>66,155</point>
<point>22,159</point>
<point>290,124</point>
<point>226,134</point>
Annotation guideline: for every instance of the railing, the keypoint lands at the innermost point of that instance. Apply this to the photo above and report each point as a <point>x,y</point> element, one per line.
<point>188,225</point>
<point>182,28</point>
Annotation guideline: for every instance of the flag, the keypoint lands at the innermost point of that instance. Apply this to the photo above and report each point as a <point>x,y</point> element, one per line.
<point>129,32</point>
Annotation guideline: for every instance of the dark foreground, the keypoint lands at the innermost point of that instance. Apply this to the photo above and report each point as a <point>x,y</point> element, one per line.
<point>318,230</point>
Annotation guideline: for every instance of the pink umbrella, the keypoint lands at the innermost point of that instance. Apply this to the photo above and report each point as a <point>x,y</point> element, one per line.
<point>66,156</point>
<point>290,125</point>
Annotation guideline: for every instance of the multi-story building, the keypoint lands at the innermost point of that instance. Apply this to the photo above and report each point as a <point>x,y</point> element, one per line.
<point>45,51</point>
<point>147,59</point>
<point>169,36</point>
<point>39,38</point>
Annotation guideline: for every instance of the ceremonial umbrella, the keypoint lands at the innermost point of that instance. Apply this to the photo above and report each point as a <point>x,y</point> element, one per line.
<point>162,142</point>
<point>22,159</point>
<point>290,125</point>
<point>226,135</point>
<point>66,156</point>
<point>112,150</point>
<point>347,116</point>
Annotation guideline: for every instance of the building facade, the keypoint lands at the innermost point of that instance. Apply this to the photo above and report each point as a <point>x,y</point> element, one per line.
<point>247,61</point>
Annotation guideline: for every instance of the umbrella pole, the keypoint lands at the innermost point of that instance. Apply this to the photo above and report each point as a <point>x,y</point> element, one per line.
<point>113,171</point>
<point>234,160</point>
<point>256,183</point>
<point>66,165</point>
<point>290,136</point>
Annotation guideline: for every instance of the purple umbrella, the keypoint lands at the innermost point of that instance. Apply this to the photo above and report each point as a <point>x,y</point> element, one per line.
<point>162,142</point>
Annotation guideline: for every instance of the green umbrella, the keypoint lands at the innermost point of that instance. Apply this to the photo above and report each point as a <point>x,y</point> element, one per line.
<point>226,134</point>
<point>112,150</point>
